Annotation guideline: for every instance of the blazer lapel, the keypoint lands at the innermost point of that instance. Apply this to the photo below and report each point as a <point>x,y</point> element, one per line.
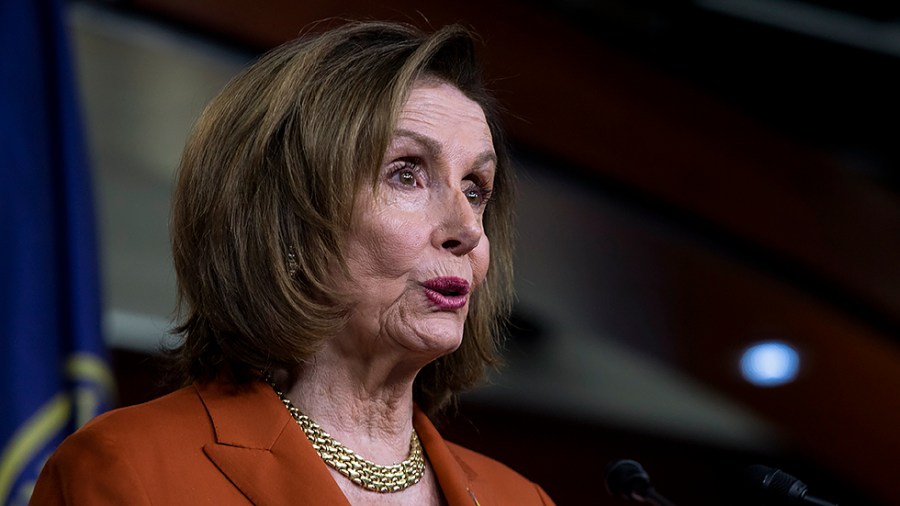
<point>261,450</point>
<point>453,475</point>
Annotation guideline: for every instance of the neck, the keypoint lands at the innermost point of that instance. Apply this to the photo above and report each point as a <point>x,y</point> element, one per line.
<point>366,404</point>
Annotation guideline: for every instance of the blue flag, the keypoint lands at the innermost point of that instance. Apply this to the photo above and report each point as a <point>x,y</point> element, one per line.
<point>53,373</point>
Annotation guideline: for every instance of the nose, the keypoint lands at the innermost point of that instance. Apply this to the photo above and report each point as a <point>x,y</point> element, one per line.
<point>459,227</point>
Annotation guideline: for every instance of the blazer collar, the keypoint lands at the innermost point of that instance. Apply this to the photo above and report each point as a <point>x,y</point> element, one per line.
<point>268,458</point>
<point>260,448</point>
<point>454,476</point>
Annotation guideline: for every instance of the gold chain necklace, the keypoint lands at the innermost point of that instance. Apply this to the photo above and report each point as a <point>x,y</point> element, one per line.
<point>365,473</point>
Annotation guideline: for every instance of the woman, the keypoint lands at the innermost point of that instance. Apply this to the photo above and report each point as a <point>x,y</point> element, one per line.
<point>330,233</point>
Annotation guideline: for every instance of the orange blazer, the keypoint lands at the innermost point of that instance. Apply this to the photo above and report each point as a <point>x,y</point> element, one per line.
<point>214,444</point>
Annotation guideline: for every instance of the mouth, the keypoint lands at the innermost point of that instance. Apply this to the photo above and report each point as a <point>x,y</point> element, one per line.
<point>447,292</point>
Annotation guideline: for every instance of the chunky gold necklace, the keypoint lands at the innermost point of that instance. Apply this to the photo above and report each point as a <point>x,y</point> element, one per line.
<point>365,473</point>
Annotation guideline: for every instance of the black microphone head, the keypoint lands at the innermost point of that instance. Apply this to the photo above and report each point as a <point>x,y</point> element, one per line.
<point>626,479</point>
<point>774,484</point>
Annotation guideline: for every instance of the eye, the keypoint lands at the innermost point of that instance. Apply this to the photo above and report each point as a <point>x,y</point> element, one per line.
<point>406,177</point>
<point>477,194</point>
<point>406,173</point>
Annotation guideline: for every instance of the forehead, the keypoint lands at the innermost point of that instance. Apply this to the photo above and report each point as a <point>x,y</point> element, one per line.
<point>441,110</point>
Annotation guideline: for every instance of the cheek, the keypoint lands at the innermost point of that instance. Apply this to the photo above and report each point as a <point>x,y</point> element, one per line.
<point>481,259</point>
<point>388,247</point>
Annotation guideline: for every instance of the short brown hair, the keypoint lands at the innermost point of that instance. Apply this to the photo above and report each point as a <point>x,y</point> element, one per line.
<point>268,178</point>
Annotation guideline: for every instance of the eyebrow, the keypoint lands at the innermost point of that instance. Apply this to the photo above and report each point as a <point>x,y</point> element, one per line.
<point>434,147</point>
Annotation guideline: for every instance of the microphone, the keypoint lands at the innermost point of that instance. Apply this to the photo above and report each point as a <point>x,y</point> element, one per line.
<point>777,485</point>
<point>626,479</point>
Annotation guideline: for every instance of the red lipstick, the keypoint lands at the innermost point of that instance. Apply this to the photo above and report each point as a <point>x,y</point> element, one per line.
<point>447,293</point>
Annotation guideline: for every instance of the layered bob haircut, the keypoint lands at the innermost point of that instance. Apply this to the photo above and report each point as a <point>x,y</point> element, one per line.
<point>265,195</point>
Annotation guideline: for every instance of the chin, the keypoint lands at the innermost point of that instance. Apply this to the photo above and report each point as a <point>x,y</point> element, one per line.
<point>440,340</point>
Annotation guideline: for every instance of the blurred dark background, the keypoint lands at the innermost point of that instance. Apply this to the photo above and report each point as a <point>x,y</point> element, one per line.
<point>695,178</point>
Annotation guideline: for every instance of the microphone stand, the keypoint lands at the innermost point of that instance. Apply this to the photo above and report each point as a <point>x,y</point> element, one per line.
<point>655,498</point>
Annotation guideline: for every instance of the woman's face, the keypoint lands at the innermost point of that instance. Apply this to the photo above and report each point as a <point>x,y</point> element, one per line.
<point>416,249</point>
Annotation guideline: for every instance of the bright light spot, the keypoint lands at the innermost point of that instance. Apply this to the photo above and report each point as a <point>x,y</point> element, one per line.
<point>770,364</point>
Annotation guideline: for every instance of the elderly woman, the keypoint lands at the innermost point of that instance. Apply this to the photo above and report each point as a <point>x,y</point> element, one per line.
<point>331,230</point>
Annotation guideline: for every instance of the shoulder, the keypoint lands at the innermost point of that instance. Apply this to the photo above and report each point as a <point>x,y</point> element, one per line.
<point>104,461</point>
<point>140,454</point>
<point>144,430</point>
<point>482,464</point>
<point>177,415</point>
<point>466,474</point>
<point>172,404</point>
<point>493,479</point>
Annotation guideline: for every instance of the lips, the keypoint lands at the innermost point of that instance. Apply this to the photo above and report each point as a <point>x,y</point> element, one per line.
<point>447,292</point>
